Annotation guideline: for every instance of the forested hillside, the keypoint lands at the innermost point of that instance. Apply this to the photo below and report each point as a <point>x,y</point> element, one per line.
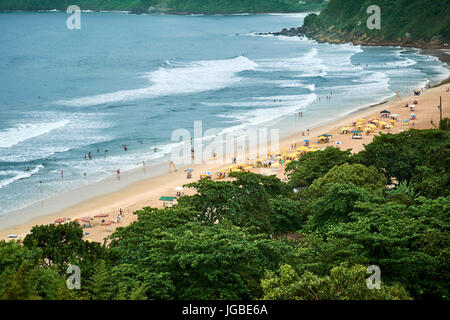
<point>169,6</point>
<point>403,22</point>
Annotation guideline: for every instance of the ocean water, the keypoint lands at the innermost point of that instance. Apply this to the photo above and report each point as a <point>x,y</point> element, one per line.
<point>133,79</point>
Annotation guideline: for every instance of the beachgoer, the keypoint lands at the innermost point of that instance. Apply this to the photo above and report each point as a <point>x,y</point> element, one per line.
<point>90,155</point>
<point>125,147</point>
<point>62,174</point>
<point>154,149</point>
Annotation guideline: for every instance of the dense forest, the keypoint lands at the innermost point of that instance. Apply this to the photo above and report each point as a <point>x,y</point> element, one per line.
<point>170,6</point>
<point>402,21</point>
<point>255,238</point>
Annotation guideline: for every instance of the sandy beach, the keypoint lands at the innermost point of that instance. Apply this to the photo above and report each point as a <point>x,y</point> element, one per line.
<point>146,193</point>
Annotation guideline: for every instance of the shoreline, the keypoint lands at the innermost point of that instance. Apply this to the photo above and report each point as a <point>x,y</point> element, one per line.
<point>145,192</point>
<point>109,185</point>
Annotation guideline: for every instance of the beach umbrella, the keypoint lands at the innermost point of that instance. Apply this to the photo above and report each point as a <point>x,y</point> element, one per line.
<point>179,188</point>
<point>84,220</point>
<point>60,220</point>
<point>306,140</point>
<point>107,223</point>
<point>385,111</point>
<point>12,236</point>
<point>338,142</point>
<point>188,170</point>
<point>102,215</point>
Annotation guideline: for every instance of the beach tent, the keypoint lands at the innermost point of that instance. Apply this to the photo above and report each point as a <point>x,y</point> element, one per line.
<point>167,199</point>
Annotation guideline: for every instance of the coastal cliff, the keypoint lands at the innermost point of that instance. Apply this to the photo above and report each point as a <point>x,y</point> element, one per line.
<point>412,23</point>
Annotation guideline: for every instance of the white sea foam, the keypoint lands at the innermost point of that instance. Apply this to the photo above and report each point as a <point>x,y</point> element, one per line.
<point>13,136</point>
<point>309,65</point>
<point>181,78</point>
<point>20,176</point>
<point>260,116</point>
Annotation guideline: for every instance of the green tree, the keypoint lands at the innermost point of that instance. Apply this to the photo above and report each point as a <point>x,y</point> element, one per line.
<point>394,237</point>
<point>336,203</point>
<point>195,261</point>
<point>314,165</point>
<point>397,155</point>
<point>355,174</point>
<point>343,283</point>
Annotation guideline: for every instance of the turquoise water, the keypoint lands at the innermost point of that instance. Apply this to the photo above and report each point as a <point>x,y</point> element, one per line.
<point>133,79</point>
